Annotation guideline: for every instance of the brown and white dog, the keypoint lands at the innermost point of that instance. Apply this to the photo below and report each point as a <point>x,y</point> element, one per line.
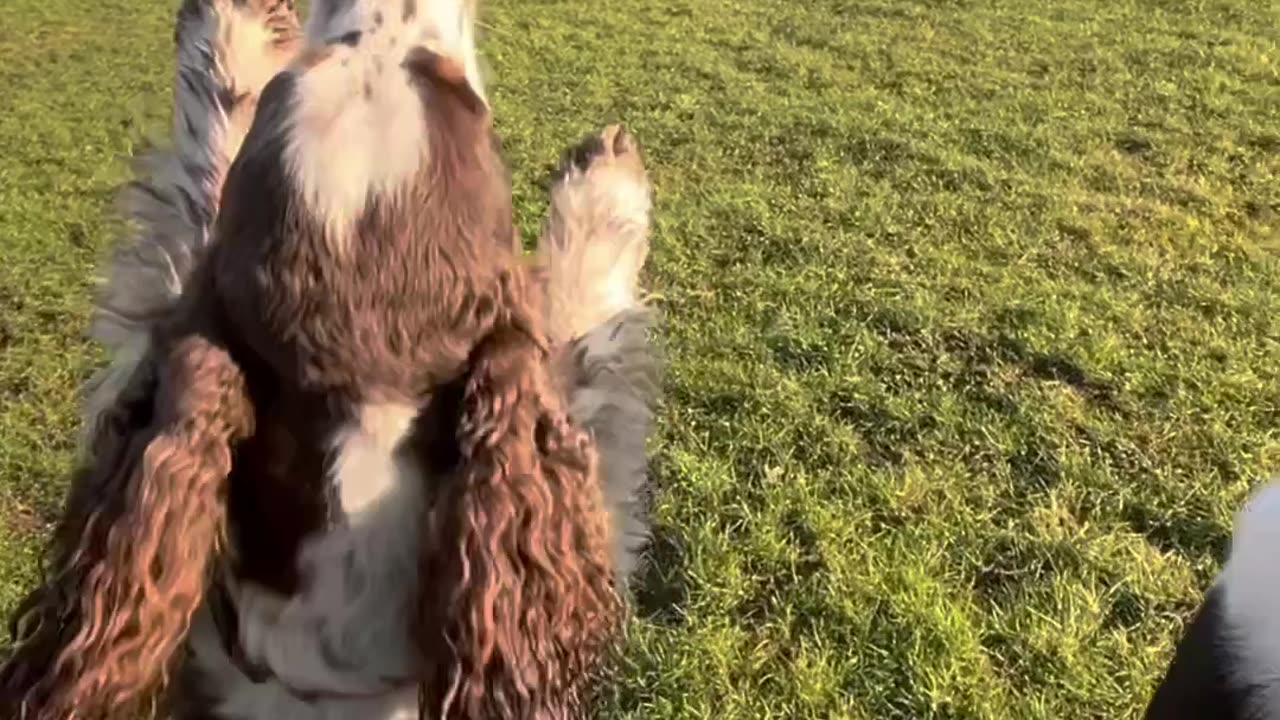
<point>353,457</point>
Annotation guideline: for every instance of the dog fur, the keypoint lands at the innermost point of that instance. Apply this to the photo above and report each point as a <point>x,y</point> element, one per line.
<point>1227,664</point>
<point>346,425</point>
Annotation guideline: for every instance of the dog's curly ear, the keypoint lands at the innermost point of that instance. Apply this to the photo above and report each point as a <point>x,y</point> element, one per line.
<point>517,602</point>
<point>130,556</point>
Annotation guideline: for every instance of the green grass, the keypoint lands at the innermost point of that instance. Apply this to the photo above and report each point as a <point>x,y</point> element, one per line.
<point>973,309</point>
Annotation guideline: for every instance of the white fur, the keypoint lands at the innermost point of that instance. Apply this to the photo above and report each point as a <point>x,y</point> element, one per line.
<point>365,465</point>
<point>357,128</point>
<point>347,631</point>
<point>1250,584</point>
<point>270,700</point>
<point>596,240</point>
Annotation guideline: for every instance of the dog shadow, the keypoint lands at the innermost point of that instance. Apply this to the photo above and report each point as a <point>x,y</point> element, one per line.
<point>662,583</point>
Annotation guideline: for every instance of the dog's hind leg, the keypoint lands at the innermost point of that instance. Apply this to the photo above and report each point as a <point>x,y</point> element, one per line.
<point>226,50</point>
<point>594,246</point>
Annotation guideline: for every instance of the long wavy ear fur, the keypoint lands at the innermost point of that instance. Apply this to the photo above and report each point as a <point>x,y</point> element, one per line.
<point>518,600</point>
<point>130,557</point>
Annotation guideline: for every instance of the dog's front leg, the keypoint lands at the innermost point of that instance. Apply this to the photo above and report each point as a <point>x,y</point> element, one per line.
<point>595,245</point>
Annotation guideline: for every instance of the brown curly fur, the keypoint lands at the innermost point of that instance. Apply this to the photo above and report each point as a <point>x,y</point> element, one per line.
<point>516,543</point>
<point>132,553</point>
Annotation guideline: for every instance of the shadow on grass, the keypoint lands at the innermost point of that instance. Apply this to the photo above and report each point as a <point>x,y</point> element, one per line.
<point>662,587</point>
<point>1186,533</point>
<point>662,594</point>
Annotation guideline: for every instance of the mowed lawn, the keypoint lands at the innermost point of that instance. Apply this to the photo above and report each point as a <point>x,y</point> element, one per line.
<point>972,310</point>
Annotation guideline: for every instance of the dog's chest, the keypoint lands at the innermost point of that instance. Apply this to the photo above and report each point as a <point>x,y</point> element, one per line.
<point>362,571</point>
<point>341,647</point>
<point>374,482</point>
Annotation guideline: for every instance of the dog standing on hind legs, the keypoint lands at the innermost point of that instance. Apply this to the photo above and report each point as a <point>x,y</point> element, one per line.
<point>337,468</point>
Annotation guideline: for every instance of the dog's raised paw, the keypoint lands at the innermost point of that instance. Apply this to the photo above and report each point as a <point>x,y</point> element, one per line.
<point>603,183</point>
<point>597,235</point>
<point>602,191</point>
<point>613,149</point>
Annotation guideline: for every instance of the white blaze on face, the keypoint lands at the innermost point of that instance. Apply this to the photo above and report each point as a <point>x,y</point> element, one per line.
<point>358,127</point>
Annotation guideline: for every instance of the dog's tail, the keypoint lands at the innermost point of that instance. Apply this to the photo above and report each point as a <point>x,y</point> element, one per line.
<point>227,50</point>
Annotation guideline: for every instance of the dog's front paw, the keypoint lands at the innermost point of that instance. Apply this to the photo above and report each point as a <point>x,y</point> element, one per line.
<point>613,150</point>
<point>602,181</point>
<point>597,237</point>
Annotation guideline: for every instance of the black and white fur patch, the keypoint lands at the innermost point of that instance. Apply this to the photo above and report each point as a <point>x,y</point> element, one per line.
<point>1227,664</point>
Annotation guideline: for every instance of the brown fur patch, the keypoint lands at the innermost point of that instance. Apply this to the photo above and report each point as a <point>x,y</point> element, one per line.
<point>448,77</point>
<point>278,487</point>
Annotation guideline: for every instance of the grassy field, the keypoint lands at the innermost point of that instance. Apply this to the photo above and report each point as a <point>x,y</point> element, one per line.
<point>973,311</point>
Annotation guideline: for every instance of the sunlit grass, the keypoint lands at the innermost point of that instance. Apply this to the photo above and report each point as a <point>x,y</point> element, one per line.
<point>973,309</point>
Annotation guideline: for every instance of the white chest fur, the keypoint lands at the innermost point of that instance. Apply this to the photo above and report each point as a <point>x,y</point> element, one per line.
<point>346,634</point>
